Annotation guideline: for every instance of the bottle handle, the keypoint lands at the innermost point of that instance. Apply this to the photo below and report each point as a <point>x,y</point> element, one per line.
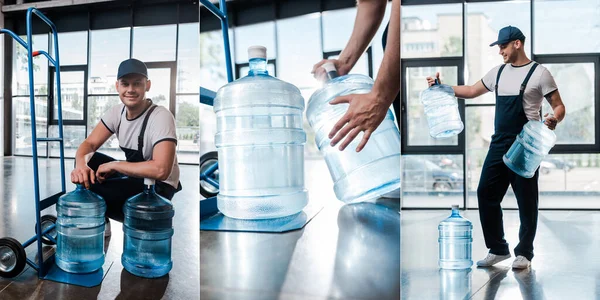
<point>437,82</point>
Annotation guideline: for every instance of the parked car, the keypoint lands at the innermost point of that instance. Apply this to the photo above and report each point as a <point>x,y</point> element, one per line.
<point>420,174</point>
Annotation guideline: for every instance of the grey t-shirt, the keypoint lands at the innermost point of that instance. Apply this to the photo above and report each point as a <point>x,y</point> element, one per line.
<point>160,128</point>
<point>540,85</point>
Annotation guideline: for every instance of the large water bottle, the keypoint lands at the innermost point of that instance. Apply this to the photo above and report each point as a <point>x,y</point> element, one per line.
<point>441,108</point>
<point>148,229</point>
<point>357,176</point>
<point>260,140</point>
<point>455,239</point>
<point>80,231</point>
<point>529,149</point>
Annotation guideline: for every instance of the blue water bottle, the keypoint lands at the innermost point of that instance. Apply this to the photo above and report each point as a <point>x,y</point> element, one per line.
<point>441,108</point>
<point>529,148</point>
<point>455,239</point>
<point>80,231</point>
<point>148,229</point>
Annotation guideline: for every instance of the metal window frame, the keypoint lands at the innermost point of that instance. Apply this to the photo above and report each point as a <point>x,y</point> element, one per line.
<point>66,122</point>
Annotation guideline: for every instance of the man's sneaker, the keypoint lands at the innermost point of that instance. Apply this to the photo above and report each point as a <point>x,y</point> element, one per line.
<point>107,231</point>
<point>492,259</point>
<point>521,262</point>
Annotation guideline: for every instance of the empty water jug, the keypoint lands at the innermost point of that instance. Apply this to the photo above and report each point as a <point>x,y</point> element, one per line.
<point>441,108</point>
<point>455,239</point>
<point>147,229</point>
<point>529,149</point>
<point>357,176</point>
<point>80,231</point>
<point>260,140</point>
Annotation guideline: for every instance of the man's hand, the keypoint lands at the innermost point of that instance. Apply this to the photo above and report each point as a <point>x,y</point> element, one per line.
<point>83,175</point>
<point>105,170</point>
<point>550,121</point>
<point>320,73</point>
<point>431,80</point>
<point>365,113</point>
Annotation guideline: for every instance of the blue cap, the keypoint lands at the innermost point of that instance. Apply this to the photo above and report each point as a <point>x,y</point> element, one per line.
<point>508,34</point>
<point>132,66</point>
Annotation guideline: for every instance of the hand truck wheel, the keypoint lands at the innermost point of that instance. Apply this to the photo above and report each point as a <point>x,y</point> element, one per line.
<point>206,161</point>
<point>12,257</point>
<point>47,221</point>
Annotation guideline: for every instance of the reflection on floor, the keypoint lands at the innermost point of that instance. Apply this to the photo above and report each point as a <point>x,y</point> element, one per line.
<point>345,252</point>
<point>566,263</point>
<point>18,221</point>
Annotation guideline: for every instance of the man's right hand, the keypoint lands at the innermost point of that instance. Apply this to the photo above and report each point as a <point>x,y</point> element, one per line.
<point>431,80</point>
<point>319,72</point>
<point>83,175</point>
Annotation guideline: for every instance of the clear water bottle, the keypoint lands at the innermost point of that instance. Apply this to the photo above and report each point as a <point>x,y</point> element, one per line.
<point>357,176</point>
<point>80,231</point>
<point>455,284</point>
<point>441,108</point>
<point>148,229</point>
<point>529,149</point>
<point>260,140</point>
<point>455,239</point>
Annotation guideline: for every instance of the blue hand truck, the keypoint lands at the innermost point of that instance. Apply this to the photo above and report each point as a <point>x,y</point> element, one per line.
<point>12,253</point>
<point>209,173</point>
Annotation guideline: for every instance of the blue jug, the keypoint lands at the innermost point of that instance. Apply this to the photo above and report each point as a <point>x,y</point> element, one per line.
<point>455,239</point>
<point>529,149</point>
<point>260,140</point>
<point>147,229</point>
<point>441,108</point>
<point>80,231</point>
<point>357,176</point>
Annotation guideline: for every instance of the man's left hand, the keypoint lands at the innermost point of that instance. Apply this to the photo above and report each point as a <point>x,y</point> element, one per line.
<point>105,170</point>
<point>365,113</point>
<point>550,121</point>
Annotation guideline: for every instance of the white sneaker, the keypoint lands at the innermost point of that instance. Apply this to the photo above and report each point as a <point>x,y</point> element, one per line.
<point>107,231</point>
<point>521,262</point>
<point>492,259</point>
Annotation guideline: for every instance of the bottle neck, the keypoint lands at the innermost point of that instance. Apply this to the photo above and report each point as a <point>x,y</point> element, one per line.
<point>258,66</point>
<point>149,188</point>
<point>79,187</point>
<point>455,212</point>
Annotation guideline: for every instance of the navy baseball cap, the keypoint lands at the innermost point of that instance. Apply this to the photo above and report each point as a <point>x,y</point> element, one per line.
<point>132,66</point>
<point>508,34</point>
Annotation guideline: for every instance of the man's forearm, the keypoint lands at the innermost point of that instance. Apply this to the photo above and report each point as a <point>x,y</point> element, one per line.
<point>368,18</point>
<point>463,91</point>
<point>387,84</point>
<point>145,169</point>
<point>84,150</point>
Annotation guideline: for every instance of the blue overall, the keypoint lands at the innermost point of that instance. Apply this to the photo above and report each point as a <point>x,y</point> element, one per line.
<point>496,176</point>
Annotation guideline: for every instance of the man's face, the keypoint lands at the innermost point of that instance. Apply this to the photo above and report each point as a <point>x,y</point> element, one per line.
<point>508,51</point>
<point>132,89</point>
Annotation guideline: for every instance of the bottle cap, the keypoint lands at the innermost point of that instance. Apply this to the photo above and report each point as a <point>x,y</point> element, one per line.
<point>329,66</point>
<point>257,52</point>
<point>148,181</point>
<point>455,206</point>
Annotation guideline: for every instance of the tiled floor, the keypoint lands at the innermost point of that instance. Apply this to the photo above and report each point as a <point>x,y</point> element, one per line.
<point>566,263</point>
<point>345,252</point>
<point>18,220</point>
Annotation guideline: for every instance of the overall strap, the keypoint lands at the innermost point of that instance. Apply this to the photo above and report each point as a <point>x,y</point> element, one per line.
<point>498,79</point>
<point>144,124</point>
<point>524,84</point>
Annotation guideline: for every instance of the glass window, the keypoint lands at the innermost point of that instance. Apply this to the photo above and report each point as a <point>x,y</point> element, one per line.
<point>160,90</point>
<point>376,44</point>
<point>22,125</point>
<point>484,22</point>
<point>298,50</point>
<point>262,34</point>
<point>72,48</point>
<point>208,119</point>
<point>73,137</point>
<point>579,29</point>
<point>188,126</point>
<point>109,48</point>
<point>480,128</point>
<point>213,70</point>
<point>40,67</point>
<point>431,30</point>
<point>418,129</point>
<point>155,43</point>
<point>188,59</point>
<point>575,83</point>
<point>337,28</point>
<point>71,94</point>
<point>432,180</point>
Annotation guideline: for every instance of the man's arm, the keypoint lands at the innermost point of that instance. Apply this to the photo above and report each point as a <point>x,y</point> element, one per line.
<point>367,111</point>
<point>158,168</point>
<point>82,174</point>
<point>558,107</point>
<point>463,91</point>
<point>368,18</point>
